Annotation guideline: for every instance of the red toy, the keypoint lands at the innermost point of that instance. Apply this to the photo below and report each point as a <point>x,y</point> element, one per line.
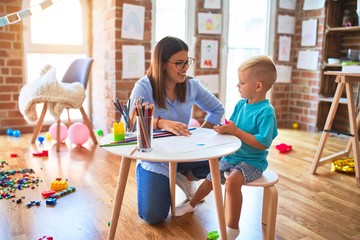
<point>41,154</point>
<point>283,148</point>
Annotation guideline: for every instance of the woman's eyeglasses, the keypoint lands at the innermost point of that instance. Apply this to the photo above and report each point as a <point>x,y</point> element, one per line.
<point>181,64</point>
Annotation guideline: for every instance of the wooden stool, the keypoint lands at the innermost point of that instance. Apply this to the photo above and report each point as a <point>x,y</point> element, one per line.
<point>270,200</point>
<point>344,80</point>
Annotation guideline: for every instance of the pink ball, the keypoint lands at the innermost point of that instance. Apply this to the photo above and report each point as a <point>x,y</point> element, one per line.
<point>194,123</point>
<point>78,133</point>
<point>63,131</point>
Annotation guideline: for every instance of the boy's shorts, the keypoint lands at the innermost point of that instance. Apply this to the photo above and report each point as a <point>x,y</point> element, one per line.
<point>249,172</point>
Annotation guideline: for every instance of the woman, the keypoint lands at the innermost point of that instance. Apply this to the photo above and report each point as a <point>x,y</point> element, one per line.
<point>173,94</point>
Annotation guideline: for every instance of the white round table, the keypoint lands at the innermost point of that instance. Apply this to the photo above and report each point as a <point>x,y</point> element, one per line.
<point>202,144</point>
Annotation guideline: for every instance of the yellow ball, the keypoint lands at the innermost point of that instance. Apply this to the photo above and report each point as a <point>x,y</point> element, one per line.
<point>295,125</point>
<point>48,136</point>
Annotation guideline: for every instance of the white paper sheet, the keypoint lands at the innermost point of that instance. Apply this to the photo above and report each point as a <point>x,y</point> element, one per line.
<point>212,4</point>
<point>133,61</point>
<point>308,60</point>
<point>190,143</point>
<point>133,22</point>
<point>283,74</point>
<point>287,4</point>
<point>210,82</point>
<point>308,32</point>
<point>284,48</point>
<point>313,4</point>
<point>286,24</point>
<point>209,23</point>
<point>209,53</point>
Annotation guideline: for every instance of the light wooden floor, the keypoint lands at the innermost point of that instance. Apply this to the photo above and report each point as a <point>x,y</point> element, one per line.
<point>322,206</point>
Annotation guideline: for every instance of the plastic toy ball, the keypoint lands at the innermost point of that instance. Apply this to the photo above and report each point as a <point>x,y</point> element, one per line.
<point>295,125</point>
<point>100,132</point>
<point>63,131</point>
<point>41,139</point>
<point>78,133</point>
<point>16,133</point>
<point>48,136</point>
<point>9,132</point>
<point>194,123</point>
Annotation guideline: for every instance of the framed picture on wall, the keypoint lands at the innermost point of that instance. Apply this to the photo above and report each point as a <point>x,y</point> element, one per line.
<point>209,23</point>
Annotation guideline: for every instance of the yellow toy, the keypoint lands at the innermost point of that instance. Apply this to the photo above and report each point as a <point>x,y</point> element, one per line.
<point>58,185</point>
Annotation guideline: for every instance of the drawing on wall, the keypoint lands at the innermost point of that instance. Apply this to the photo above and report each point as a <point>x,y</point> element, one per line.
<point>133,22</point>
<point>284,48</point>
<point>209,23</point>
<point>308,60</point>
<point>283,74</point>
<point>287,4</point>
<point>133,61</point>
<point>209,53</point>
<point>313,5</point>
<point>212,4</point>
<point>286,24</point>
<point>210,82</point>
<point>308,32</point>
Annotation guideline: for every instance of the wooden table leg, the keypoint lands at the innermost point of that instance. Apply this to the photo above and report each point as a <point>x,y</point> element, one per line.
<point>119,195</point>
<point>329,121</point>
<point>216,183</point>
<point>172,179</point>
<point>353,130</point>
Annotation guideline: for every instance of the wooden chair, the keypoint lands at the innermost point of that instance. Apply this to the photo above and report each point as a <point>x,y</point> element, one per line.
<point>78,71</point>
<point>270,200</point>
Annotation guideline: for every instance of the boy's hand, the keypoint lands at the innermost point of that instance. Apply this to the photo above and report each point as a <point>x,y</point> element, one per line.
<point>229,128</point>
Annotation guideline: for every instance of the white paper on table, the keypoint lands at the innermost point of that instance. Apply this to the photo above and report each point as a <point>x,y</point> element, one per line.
<point>313,4</point>
<point>287,4</point>
<point>284,48</point>
<point>308,32</point>
<point>194,142</point>
<point>308,60</point>
<point>286,24</point>
<point>283,74</point>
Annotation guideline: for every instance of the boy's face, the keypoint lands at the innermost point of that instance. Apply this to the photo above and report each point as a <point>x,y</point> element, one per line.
<point>247,84</point>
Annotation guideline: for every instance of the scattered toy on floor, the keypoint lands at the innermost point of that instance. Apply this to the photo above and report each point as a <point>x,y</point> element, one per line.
<point>213,235</point>
<point>44,153</point>
<point>41,139</point>
<point>33,203</point>
<point>283,148</point>
<point>51,201</point>
<point>100,132</point>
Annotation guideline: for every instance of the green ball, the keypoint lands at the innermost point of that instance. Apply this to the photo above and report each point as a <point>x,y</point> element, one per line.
<point>100,132</point>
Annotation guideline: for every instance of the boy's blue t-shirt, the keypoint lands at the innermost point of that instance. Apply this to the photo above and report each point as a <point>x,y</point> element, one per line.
<point>259,120</point>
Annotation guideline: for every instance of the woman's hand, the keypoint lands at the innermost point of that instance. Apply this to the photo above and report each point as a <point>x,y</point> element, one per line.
<point>178,128</point>
<point>229,128</point>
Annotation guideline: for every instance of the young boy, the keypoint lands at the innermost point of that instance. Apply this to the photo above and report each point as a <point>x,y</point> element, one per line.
<point>254,123</point>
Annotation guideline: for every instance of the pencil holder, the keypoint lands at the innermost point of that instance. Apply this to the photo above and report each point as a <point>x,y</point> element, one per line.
<point>144,132</point>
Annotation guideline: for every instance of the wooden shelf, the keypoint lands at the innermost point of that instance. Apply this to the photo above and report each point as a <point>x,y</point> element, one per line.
<point>342,29</point>
<point>337,40</point>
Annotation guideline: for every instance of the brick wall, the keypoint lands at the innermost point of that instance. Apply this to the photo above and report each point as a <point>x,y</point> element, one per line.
<point>198,114</point>
<point>297,101</point>
<point>11,71</point>
<point>107,52</point>
<point>299,97</point>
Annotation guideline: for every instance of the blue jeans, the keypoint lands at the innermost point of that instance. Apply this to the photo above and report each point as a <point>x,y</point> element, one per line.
<point>154,191</point>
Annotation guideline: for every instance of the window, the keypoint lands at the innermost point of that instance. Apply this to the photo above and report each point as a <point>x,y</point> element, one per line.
<point>175,18</point>
<point>57,35</point>
<point>248,35</point>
